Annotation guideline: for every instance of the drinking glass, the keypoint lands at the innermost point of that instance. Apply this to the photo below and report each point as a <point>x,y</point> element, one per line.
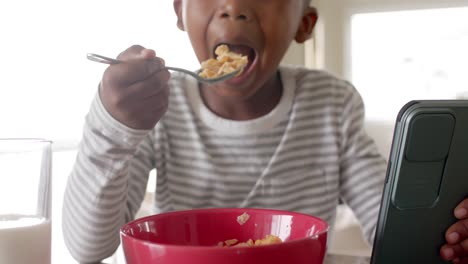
<point>25,201</point>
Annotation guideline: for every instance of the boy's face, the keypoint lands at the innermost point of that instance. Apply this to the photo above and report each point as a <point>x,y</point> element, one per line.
<point>260,29</point>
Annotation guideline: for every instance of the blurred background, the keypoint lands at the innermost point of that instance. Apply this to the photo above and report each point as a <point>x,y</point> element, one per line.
<point>393,51</point>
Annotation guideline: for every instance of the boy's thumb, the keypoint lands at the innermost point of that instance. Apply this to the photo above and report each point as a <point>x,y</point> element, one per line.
<point>147,54</point>
<point>136,52</point>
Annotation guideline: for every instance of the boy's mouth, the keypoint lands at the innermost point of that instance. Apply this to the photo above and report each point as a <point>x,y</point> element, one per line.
<point>243,50</point>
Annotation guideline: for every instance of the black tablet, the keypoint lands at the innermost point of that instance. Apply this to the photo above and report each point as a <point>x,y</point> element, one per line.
<point>427,177</point>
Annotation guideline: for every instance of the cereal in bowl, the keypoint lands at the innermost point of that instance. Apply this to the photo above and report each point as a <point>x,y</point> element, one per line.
<point>267,240</point>
<point>241,219</point>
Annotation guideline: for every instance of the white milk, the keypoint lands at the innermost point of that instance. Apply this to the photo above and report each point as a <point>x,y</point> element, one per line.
<point>24,240</point>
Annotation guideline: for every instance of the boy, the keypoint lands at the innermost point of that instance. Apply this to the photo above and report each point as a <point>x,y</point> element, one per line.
<point>276,137</point>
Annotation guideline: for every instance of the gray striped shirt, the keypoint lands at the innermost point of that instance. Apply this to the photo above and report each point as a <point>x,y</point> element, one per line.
<point>306,154</point>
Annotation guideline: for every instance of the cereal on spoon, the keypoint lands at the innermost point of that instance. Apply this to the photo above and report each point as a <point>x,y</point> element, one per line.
<point>225,63</point>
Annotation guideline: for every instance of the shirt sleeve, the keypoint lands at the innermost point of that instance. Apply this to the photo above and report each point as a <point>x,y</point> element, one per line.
<point>99,196</point>
<point>362,166</point>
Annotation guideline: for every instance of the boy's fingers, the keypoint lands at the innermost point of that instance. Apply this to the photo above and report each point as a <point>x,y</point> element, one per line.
<point>458,251</point>
<point>132,52</point>
<point>464,246</point>
<point>139,64</point>
<point>460,261</point>
<point>136,52</point>
<point>158,79</point>
<point>147,54</point>
<point>130,72</point>
<point>461,211</point>
<point>457,232</point>
<point>447,252</point>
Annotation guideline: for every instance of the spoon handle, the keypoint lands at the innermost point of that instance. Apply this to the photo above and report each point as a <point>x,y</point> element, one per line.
<point>107,60</point>
<point>102,59</point>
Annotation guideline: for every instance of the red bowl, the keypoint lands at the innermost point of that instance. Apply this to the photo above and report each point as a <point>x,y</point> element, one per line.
<point>192,237</point>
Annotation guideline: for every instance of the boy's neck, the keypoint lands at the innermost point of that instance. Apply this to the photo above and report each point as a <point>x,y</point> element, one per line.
<point>257,105</point>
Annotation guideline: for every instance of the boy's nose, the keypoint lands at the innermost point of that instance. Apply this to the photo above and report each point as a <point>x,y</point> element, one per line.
<point>235,10</point>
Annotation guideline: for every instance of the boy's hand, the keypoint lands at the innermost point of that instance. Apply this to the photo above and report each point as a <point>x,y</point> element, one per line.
<point>136,91</point>
<point>456,235</point>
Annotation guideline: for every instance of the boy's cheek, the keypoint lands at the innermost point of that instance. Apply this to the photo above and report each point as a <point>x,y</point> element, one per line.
<point>178,11</point>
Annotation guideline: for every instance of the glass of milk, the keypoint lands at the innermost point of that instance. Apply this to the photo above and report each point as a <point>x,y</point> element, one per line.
<point>25,201</point>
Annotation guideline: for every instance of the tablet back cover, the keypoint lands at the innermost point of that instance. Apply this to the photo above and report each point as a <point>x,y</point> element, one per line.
<point>427,177</point>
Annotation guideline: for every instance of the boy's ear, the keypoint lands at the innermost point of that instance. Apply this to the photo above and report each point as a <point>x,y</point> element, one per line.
<point>308,21</point>
<point>178,11</point>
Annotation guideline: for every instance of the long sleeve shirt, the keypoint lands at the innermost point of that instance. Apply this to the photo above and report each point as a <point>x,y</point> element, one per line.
<point>310,151</point>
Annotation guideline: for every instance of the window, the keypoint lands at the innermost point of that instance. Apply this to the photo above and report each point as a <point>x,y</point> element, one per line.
<point>395,51</point>
<point>404,55</point>
<point>47,82</point>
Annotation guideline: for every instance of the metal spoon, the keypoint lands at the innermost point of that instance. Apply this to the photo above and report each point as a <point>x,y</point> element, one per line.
<point>194,74</point>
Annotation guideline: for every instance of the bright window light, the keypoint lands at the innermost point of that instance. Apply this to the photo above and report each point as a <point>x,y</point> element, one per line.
<point>46,82</point>
<point>407,55</point>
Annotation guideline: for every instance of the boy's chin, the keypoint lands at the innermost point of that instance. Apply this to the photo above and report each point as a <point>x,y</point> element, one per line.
<point>233,91</point>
